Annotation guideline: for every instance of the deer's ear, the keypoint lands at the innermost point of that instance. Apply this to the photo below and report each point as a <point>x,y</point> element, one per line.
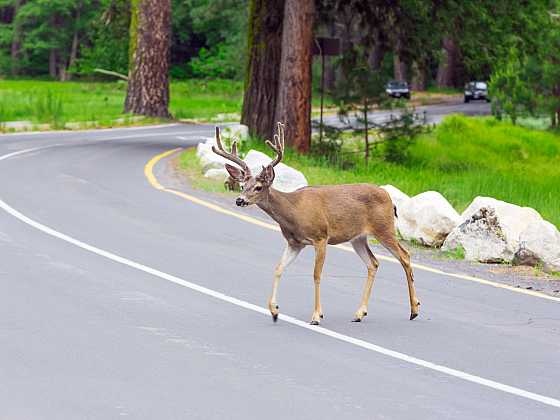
<point>267,175</point>
<point>235,173</point>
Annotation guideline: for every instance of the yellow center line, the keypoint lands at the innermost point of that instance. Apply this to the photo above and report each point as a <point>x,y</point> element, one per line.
<point>149,172</point>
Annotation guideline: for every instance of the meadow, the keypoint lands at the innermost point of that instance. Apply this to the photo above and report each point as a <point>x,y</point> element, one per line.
<point>462,158</point>
<point>56,103</point>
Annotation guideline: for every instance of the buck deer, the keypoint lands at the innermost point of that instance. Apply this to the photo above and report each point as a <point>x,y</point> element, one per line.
<point>321,216</point>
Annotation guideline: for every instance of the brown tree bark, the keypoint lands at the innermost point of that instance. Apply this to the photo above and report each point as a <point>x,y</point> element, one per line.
<point>293,106</point>
<point>148,88</point>
<point>399,71</point>
<point>263,66</point>
<point>448,64</point>
<point>419,76</point>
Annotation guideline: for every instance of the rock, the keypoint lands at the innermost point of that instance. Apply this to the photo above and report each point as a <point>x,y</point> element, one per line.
<point>256,160</point>
<point>490,230</point>
<point>481,238</point>
<point>427,218</point>
<point>203,148</point>
<point>397,196</point>
<point>287,179</point>
<point>209,159</point>
<point>539,244</point>
<point>217,174</point>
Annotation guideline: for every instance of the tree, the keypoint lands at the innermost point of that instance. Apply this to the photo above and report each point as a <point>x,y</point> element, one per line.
<point>510,88</point>
<point>264,46</point>
<point>293,106</point>
<point>148,88</point>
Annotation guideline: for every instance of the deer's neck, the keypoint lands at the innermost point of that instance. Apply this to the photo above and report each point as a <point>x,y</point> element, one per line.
<point>280,206</point>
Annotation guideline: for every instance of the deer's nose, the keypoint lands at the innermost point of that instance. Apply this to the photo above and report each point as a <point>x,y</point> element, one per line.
<point>239,201</point>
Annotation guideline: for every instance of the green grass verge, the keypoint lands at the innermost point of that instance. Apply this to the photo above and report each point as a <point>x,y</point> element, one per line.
<point>190,165</point>
<point>462,158</point>
<point>59,102</point>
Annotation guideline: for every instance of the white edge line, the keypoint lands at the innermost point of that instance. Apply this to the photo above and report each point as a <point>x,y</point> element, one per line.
<point>255,308</point>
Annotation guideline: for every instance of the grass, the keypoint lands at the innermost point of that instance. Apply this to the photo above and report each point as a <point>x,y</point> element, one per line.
<point>56,103</point>
<point>462,158</point>
<point>191,166</point>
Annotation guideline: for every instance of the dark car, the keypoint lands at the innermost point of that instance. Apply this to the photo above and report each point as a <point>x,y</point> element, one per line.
<point>476,91</point>
<point>397,89</point>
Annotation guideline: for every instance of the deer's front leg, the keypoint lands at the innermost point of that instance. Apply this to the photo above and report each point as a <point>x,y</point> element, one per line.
<point>320,251</point>
<point>289,255</point>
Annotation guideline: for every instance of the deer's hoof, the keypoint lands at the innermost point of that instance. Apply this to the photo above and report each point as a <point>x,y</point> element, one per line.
<point>412,316</point>
<point>321,316</point>
<point>313,322</point>
<point>274,317</point>
<point>356,319</point>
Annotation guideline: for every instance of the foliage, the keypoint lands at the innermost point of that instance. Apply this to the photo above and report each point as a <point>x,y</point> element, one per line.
<point>462,158</point>
<point>510,88</point>
<point>399,134</point>
<point>50,102</point>
<point>107,40</point>
<point>528,82</point>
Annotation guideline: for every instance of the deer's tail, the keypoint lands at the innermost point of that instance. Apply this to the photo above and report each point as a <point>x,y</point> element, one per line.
<point>395,210</point>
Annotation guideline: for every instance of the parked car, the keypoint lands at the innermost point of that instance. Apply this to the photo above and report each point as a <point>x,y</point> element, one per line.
<point>397,89</point>
<point>476,91</point>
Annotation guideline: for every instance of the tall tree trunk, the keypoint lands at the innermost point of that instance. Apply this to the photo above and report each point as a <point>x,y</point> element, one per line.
<point>330,66</point>
<point>148,94</point>
<point>293,106</point>
<point>399,67</point>
<point>419,77</point>
<point>448,64</point>
<point>263,66</point>
<point>377,52</point>
<point>16,40</point>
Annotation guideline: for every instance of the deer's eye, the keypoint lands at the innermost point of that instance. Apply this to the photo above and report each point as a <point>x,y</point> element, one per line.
<point>258,188</point>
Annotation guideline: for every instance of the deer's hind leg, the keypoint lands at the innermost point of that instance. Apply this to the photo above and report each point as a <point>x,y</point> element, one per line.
<point>392,244</point>
<point>290,253</point>
<point>361,247</point>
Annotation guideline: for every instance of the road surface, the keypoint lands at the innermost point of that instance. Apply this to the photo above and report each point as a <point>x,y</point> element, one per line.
<point>434,113</point>
<point>119,299</point>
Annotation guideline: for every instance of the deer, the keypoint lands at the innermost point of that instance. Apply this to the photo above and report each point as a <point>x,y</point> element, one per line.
<point>318,216</point>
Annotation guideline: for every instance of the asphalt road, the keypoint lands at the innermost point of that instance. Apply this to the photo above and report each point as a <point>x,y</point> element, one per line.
<point>434,113</point>
<point>119,299</point>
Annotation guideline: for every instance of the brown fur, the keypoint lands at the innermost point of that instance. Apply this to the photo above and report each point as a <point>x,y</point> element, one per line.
<point>321,216</point>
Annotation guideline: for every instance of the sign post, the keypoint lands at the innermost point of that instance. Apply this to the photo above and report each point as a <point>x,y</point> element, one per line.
<point>324,47</point>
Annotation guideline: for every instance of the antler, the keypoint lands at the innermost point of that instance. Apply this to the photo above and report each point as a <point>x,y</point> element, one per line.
<point>278,145</point>
<point>230,156</point>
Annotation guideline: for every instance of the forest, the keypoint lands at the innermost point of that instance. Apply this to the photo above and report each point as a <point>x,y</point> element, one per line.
<point>433,45</point>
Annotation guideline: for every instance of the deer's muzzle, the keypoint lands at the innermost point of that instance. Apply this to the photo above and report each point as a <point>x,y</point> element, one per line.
<point>241,202</point>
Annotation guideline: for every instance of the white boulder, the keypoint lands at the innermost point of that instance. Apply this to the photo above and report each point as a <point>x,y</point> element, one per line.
<point>217,174</point>
<point>427,218</point>
<point>203,148</point>
<point>490,230</point>
<point>539,244</point>
<point>209,159</point>
<point>397,196</point>
<point>286,178</point>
